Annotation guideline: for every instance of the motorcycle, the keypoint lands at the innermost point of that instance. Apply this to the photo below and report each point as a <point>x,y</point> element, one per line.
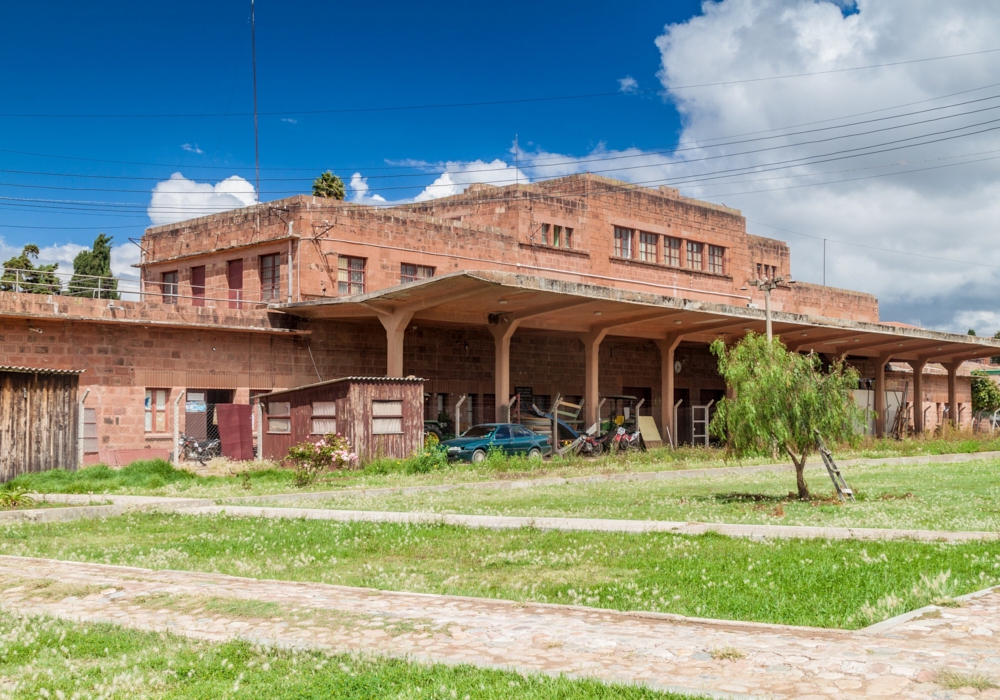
<point>624,440</point>
<point>200,451</point>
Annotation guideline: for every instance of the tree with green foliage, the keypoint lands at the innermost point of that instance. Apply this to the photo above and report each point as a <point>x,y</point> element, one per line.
<point>88,265</point>
<point>781,399</point>
<point>21,275</point>
<point>328,186</point>
<point>985,392</point>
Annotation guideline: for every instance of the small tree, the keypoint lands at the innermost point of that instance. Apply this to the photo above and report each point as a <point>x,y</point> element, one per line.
<point>21,275</point>
<point>88,265</point>
<point>781,399</point>
<point>329,186</point>
<point>985,392</point>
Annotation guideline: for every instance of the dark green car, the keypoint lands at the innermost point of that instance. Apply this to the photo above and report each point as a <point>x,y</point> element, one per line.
<point>474,444</point>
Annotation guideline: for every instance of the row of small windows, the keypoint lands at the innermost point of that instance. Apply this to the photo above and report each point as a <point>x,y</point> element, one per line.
<point>387,417</point>
<point>557,236</point>
<point>667,250</point>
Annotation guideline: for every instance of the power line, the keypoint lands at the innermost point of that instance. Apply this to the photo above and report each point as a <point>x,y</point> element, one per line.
<point>488,103</point>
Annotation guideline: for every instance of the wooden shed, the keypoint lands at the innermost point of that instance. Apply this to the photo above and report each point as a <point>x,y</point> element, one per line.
<point>38,420</point>
<point>380,416</point>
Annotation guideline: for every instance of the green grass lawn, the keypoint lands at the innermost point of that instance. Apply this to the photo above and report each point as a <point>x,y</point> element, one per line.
<point>46,658</point>
<point>961,496</point>
<point>845,584</point>
<point>157,478</point>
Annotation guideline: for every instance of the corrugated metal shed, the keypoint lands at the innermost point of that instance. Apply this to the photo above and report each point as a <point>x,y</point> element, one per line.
<point>362,380</point>
<point>39,370</point>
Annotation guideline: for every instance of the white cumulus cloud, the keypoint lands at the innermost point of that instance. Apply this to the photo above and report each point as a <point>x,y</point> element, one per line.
<point>628,84</point>
<point>458,176</point>
<point>178,198</point>
<point>359,188</point>
<point>191,148</point>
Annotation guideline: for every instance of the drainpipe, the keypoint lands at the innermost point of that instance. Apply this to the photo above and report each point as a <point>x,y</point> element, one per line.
<point>177,427</point>
<point>80,427</point>
<point>290,269</point>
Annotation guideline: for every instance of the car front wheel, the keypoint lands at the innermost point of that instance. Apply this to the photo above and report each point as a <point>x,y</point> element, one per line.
<point>478,456</point>
<point>534,454</point>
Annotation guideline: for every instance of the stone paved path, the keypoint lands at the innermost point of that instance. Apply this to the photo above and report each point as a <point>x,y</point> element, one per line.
<point>506,522</point>
<point>899,659</point>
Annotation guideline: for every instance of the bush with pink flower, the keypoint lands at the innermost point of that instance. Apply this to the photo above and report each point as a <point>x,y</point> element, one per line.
<point>310,458</point>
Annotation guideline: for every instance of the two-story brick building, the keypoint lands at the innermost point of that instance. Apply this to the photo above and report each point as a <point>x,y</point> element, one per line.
<point>580,286</point>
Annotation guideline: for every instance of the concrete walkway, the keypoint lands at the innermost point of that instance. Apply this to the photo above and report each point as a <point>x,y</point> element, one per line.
<point>900,658</point>
<point>507,522</point>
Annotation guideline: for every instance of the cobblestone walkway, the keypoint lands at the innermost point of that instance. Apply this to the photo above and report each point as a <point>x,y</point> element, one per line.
<point>899,659</point>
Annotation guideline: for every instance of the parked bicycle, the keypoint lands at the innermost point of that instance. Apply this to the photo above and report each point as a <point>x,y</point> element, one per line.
<point>199,450</point>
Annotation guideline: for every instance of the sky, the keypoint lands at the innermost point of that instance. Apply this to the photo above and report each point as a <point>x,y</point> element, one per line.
<point>874,125</point>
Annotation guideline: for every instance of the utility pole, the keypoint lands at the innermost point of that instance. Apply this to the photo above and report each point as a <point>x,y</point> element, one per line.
<point>767,286</point>
<point>256,137</point>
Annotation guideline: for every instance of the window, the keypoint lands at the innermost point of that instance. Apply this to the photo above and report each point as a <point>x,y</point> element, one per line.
<point>694,255</point>
<point>502,433</point>
<point>672,251</point>
<point>716,259</point>
<point>90,445</point>
<point>279,417</point>
<point>270,277</point>
<point>623,242</point>
<point>234,276</point>
<point>198,285</point>
<point>520,431</point>
<point>324,417</point>
<point>169,287</point>
<point>350,275</point>
<point>412,273</point>
<point>567,237</point>
<point>387,417</point>
<point>156,410</point>
<point>545,229</point>
<point>647,247</point>
<point>557,236</point>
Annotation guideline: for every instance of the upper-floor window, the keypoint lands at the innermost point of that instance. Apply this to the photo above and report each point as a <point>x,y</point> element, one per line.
<point>562,236</point>
<point>694,255</point>
<point>623,242</point>
<point>270,277</point>
<point>412,273</point>
<point>766,272</point>
<point>647,247</point>
<point>169,287</point>
<point>716,259</point>
<point>672,251</point>
<point>198,285</point>
<point>350,275</point>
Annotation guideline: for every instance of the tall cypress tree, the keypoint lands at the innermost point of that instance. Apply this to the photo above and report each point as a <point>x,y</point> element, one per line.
<point>88,265</point>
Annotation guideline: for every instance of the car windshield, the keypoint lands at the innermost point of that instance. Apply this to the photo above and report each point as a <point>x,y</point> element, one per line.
<point>477,431</point>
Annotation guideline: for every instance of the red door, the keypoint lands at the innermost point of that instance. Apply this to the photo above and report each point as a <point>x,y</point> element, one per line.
<point>235,432</point>
<point>235,274</point>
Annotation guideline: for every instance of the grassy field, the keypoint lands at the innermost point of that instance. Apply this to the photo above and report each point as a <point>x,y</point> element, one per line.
<point>962,496</point>
<point>845,584</point>
<point>45,658</point>
<point>157,478</point>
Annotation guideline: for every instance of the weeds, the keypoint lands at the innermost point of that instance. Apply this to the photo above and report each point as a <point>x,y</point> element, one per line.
<point>15,497</point>
<point>727,654</point>
<point>953,680</point>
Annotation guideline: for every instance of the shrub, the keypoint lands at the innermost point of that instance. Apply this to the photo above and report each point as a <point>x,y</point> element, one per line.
<point>310,458</point>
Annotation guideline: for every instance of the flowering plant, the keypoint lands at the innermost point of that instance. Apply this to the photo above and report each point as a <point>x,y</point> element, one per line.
<point>309,458</point>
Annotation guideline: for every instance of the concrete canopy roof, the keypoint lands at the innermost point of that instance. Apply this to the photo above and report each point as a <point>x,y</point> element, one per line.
<point>481,298</point>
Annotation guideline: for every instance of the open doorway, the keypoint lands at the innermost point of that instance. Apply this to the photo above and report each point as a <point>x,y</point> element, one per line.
<point>200,419</point>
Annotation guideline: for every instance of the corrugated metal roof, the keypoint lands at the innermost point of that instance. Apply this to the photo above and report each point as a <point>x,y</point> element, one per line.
<point>398,380</point>
<point>39,370</point>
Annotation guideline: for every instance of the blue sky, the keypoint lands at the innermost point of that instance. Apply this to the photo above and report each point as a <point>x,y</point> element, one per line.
<point>916,226</point>
<point>194,58</point>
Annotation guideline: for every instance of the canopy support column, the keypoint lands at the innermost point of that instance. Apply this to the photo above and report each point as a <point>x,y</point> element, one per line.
<point>667,347</point>
<point>953,416</point>
<point>880,362</point>
<point>395,327</point>
<point>592,355</point>
<point>918,394</point>
<point>502,333</point>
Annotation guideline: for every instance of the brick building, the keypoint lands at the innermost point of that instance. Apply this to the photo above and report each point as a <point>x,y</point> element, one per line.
<point>580,286</point>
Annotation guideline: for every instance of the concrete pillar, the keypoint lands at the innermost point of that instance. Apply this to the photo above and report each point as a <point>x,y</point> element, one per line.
<point>667,347</point>
<point>953,416</point>
<point>880,362</point>
<point>395,327</point>
<point>918,395</point>
<point>592,355</point>
<point>501,368</point>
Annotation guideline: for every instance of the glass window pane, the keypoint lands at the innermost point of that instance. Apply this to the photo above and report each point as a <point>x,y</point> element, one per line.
<point>387,408</point>
<point>279,425</point>
<point>324,408</point>
<point>323,426</point>
<point>387,426</point>
<point>279,408</point>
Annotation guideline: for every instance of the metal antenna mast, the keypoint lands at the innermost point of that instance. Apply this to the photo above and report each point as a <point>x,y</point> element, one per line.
<point>256,137</point>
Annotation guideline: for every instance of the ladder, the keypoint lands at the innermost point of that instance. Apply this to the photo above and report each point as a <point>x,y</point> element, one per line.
<point>703,422</point>
<point>844,492</point>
